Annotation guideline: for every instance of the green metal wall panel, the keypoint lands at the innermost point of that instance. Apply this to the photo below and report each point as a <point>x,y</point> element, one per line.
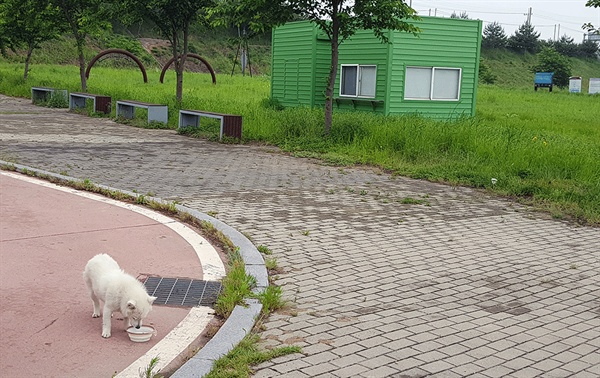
<point>444,42</point>
<point>363,48</point>
<point>293,64</point>
<point>322,65</point>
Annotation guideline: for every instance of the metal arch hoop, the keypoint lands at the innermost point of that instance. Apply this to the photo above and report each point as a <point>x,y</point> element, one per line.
<point>116,51</point>
<point>196,56</point>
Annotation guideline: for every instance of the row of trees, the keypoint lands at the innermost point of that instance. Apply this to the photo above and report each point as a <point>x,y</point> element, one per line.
<point>28,23</point>
<point>526,39</point>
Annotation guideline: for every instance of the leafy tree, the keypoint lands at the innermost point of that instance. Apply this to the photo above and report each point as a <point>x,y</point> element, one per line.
<point>27,23</point>
<point>252,16</point>
<point>340,20</point>
<point>525,39</point>
<point>494,36</point>
<point>565,46</point>
<point>463,15</point>
<point>259,15</point>
<point>3,42</point>
<point>593,3</point>
<point>486,75</point>
<point>83,18</point>
<point>549,60</point>
<point>587,49</point>
<point>172,19</point>
<point>590,28</point>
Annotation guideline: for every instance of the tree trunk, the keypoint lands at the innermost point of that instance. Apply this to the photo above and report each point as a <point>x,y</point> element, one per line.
<point>180,81</point>
<point>180,58</point>
<point>80,43</point>
<point>82,72</point>
<point>329,90</point>
<point>333,70</point>
<point>27,60</point>
<point>183,59</point>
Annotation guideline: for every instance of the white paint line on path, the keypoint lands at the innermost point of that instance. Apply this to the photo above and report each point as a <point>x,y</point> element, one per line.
<point>180,337</point>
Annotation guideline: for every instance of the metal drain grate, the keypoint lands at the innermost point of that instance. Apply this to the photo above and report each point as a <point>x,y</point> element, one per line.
<point>183,291</point>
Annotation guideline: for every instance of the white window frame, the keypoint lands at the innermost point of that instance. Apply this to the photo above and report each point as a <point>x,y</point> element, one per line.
<point>432,83</point>
<point>358,80</point>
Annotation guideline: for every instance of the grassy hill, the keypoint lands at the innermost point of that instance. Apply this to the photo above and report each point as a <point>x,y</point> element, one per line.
<point>219,48</point>
<point>216,46</point>
<point>514,70</point>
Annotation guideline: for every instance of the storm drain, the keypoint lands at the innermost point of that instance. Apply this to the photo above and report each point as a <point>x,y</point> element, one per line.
<point>183,291</point>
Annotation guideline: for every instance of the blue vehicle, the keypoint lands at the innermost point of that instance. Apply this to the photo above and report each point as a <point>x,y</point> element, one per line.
<point>543,80</point>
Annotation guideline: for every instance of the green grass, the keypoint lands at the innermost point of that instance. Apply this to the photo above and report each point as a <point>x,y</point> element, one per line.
<point>514,70</point>
<point>542,148</point>
<point>149,372</point>
<point>237,286</point>
<point>236,364</point>
<point>264,250</point>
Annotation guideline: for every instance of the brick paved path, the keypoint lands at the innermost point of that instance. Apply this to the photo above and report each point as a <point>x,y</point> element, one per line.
<point>387,277</point>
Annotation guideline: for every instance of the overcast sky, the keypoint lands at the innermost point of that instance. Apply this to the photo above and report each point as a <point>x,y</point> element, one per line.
<point>546,16</point>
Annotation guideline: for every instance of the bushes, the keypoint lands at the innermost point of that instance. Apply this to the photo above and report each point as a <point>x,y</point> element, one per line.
<point>549,60</point>
<point>117,41</point>
<point>486,76</point>
<point>494,37</point>
<point>565,46</point>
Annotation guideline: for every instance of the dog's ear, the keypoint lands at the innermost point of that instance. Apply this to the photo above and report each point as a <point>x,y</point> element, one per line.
<point>151,299</point>
<point>131,304</point>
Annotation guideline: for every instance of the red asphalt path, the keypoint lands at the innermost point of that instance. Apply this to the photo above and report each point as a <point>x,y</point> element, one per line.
<point>46,238</point>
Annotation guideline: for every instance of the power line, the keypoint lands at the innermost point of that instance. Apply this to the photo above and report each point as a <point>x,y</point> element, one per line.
<point>560,17</point>
<point>530,16</point>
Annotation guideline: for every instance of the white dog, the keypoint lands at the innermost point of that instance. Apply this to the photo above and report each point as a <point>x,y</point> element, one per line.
<point>118,290</point>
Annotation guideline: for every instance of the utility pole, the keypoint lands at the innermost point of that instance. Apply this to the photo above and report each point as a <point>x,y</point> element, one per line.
<point>529,17</point>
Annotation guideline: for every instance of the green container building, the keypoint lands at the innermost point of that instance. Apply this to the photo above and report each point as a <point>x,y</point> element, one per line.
<point>434,74</point>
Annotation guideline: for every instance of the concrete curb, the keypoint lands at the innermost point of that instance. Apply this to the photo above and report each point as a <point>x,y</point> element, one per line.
<point>242,319</point>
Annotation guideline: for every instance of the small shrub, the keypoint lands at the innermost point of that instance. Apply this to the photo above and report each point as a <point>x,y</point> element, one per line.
<point>264,250</point>
<point>271,103</point>
<point>550,60</point>
<point>271,263</point>
<point>486,76</point>
<point>347,128</point>
<point>149,372</point>
<point>237,285</point>
<point>237,362</point>
<point>58,99</point>
<point>271,299</point>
